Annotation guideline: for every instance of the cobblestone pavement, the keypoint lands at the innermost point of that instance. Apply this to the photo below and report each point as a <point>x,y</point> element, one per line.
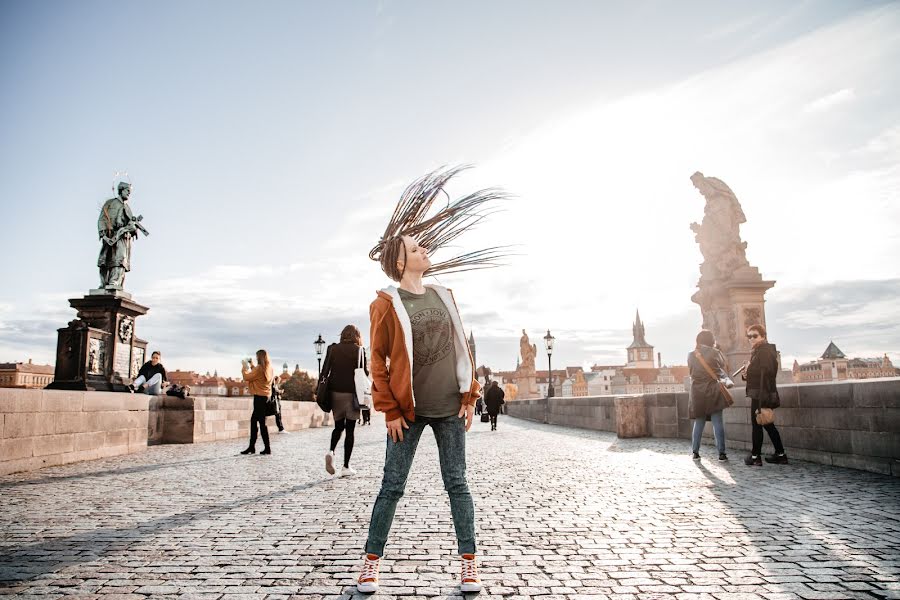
<point>562,513</point>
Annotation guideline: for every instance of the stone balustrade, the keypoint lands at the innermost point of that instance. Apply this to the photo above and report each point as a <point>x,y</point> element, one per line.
<point>209,418</point>
<point>44,428</point>
<point>852,424</point>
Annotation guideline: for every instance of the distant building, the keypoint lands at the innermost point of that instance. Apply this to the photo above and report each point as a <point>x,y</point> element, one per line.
<point>639,375</point>
<point>834,365</point>
<point>236,387</point>
<point>575,384</point>
<point>640,353</point>
<point>184,378</point>
<point>211,385</point>
<point>543,382</point>
<point>25,375</point>
<point>599,380</point>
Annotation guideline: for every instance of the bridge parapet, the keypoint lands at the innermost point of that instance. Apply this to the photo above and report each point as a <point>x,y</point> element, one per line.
<point>853,424</point>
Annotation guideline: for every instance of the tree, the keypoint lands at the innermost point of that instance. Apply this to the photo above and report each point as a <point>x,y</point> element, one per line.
<point>299,388</point>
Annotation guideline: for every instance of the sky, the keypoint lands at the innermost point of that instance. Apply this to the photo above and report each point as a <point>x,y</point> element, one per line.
<point>267,144</point>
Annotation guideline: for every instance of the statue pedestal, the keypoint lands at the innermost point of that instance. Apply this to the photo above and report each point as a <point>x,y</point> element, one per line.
<point>526,383</point>
<point>729,308</point>
<point>747,299</point>
<point>98,350</point>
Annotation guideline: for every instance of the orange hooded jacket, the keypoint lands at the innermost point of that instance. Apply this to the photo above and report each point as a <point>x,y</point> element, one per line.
<point>391,355</point>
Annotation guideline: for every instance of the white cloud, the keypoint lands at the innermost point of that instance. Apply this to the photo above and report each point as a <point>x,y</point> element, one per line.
<point>830,101</point>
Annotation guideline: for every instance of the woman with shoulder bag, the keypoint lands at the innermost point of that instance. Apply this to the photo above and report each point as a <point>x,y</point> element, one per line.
<point>343,359</point>
<point>709,392</point>
<point>760,375</point>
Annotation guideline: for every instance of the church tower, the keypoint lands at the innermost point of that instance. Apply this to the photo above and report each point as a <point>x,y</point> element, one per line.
<point>472,347</point>
<point>640,353</point>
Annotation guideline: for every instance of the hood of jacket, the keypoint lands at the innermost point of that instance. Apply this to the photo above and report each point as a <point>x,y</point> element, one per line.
<point>465,369</point>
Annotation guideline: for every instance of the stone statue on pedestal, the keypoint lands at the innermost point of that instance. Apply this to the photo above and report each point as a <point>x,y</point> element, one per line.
<point>719,233</point>
<point>730,291</point>
<point>528,351</point>
<point>117,226</point>
<point>525,379</point>
<point>99,350</point>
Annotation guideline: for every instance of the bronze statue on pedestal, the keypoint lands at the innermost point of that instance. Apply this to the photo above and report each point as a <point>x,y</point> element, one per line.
<point>117,226</point>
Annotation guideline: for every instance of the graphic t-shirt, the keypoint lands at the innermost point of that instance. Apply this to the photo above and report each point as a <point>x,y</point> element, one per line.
<point>435,386</point>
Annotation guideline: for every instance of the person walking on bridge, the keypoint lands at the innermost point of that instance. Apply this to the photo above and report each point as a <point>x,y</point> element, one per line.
<point>341,361</point>
<point>493,400</point>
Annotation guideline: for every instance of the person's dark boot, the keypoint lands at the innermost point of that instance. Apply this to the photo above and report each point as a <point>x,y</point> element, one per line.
<point>266,451</point>
<point>753,461</point>
<point>777,459</point>
<point>249,451</point>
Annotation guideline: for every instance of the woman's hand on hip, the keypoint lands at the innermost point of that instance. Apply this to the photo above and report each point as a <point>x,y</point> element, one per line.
<point>469,411</point>
<point>395,428</point>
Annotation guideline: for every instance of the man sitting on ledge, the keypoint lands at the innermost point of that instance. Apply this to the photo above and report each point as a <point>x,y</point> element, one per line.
<point>153,374</point>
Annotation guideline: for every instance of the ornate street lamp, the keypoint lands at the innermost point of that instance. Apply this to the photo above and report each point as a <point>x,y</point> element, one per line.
<point>548,343</point>
<point>320,348</point>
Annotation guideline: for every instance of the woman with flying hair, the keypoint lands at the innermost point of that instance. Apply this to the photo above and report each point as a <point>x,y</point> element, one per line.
<point>423,374</point>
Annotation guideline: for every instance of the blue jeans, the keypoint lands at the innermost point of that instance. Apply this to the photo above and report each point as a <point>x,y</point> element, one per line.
<point>153,387</point>
<point>450,434</point>
<point>718,431</point>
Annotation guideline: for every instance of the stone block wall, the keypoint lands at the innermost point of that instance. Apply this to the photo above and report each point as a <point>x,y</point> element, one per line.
<point>44,428</point>
<point>209,418</point>
<point>850,424</point>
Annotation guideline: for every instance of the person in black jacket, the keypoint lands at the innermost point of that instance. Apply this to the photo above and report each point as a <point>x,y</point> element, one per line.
<point>151,378</point>
<point>760,375</point>
<point>707,399</point>
<point>340,361</point>
<point>493,401</point>
<point>276,396</point>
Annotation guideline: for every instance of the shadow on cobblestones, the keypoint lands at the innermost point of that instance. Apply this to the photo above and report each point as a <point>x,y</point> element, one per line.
<point>106,473</point>
<point>561,513</point>
<point>24,563</point>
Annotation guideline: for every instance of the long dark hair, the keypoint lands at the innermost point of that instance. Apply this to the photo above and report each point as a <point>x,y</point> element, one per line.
<point>351,335</point>
<point>411,218</point>
<point>263,358</point>
<point>706,338</point>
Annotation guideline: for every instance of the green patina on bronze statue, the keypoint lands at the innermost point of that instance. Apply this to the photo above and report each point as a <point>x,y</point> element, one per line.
<point>117,226</point>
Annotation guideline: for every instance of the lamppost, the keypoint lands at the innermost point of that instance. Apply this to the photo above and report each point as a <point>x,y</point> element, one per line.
<point>320,347</point>
<point>548,343</point>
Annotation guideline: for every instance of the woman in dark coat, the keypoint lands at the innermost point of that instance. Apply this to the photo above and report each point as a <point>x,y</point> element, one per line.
<point>340,362</point>
<point>493,401</point>
<point>760,374</point>
<point>707,400</point>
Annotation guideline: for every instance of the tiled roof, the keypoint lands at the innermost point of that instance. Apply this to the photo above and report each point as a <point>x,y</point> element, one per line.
<point>28,368</point>
<point>832,352</point>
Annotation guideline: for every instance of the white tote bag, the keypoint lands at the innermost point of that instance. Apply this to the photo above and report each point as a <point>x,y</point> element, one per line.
<point>361,381</point>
